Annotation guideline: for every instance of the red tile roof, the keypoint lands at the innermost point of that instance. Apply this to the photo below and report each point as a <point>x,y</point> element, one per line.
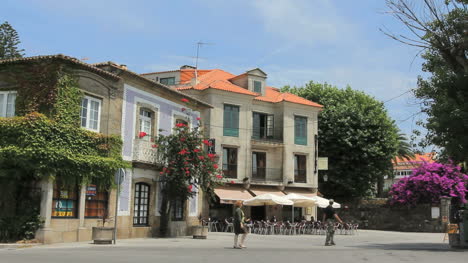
<point>220,79</point>
<point>406,164</point>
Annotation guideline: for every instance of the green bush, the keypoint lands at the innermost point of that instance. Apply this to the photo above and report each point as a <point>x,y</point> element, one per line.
<point>16,228</point>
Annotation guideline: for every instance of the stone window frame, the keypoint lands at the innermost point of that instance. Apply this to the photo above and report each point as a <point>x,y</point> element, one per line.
<point>154,119</point>
<point>6,94</point>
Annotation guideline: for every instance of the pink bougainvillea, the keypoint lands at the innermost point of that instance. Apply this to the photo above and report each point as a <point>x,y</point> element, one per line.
<point>430,182</point>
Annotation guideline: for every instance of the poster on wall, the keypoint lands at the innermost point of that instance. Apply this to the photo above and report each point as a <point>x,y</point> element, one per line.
<point>91,190</point>
<point>63,208</point>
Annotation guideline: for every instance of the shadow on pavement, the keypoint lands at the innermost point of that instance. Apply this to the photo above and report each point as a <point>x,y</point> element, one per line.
<point>412,247</point>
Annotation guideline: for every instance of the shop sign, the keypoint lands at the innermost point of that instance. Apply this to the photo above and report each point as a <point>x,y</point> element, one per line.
<point>91,190</point>
<point>63,208</point>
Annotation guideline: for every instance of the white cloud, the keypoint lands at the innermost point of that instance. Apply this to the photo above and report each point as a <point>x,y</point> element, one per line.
<point>302,22</point>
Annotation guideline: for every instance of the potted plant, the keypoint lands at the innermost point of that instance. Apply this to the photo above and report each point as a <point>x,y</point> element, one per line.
<point>200,231</point>
<point>103,234</point>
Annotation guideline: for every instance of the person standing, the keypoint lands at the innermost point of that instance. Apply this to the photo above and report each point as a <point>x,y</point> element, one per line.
<point>239,226</point>
<point>329,216</point>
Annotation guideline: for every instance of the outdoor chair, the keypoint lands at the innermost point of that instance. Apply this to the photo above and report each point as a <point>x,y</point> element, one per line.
<point>229,226</point>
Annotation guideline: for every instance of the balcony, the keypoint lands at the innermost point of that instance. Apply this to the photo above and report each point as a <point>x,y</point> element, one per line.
<point>261,174</point>
<point>300,176</point>
<point>143,152</point>
<point>276,139</point>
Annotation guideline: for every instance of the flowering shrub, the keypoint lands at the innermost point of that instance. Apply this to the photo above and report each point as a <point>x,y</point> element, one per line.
<point>428,183</point>
<point>187,167</point>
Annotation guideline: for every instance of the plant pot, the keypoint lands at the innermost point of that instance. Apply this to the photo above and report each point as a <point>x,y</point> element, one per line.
<point>200,232</point>
<point>103,235</point>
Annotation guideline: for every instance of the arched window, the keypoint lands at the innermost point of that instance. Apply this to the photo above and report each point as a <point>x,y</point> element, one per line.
<point>141,204</point>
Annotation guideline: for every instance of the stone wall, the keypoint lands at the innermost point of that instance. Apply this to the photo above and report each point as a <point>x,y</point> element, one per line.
<point>377,214</point>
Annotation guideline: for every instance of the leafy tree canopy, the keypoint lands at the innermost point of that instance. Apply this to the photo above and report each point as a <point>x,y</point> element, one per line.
<point>440,28</point>
<point>356,135</point>
<point>9,41</point>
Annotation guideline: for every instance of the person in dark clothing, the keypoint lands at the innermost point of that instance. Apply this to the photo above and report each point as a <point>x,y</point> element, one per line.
<point>239,226</point>
<point>329,216</point>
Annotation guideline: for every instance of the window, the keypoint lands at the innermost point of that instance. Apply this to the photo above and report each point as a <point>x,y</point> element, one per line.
<point>65,201</point>
<point>230,162</point>
<point>141,204</point>
<point>177,209</point>
<point>257,86</point>
<point>231,120</point>
<point>145,123</point>
<point>300,169</point>
<point>96,202</point>
<point>7,103</point>
<point>90,113</point>
<point>300,130</point>
<point>258,165</point>
<point>262,125</point>
<point>167,81</point>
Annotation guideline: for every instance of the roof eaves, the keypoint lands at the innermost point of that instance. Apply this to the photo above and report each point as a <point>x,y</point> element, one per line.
<point>138,76</point>
<point>63,58</point>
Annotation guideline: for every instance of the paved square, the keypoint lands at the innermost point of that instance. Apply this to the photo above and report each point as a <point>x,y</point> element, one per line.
<point>366,246</point>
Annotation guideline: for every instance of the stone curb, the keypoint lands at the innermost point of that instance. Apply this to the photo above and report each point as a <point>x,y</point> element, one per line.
<point>16,246</point>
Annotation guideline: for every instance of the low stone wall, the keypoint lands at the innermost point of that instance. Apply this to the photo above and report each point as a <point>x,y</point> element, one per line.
<point>378,215</point>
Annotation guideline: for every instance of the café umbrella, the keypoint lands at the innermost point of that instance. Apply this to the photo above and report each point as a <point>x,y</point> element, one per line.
<point>300,201</point>
<point>323,202</point>
<point>267,199</point>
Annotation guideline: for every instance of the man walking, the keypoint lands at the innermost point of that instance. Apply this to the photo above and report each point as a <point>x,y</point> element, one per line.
<point>329,216</point>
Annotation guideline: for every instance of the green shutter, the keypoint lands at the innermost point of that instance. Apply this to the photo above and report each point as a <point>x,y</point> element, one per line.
<point>231,121</point>
<point>300,130</point>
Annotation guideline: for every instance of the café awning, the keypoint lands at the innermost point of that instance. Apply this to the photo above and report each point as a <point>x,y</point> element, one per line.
<point>258,190</point>
<point>300,191</point>
<point>231,194</point>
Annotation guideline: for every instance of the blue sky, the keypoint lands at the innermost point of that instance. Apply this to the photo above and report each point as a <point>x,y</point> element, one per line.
<point>293,41</point>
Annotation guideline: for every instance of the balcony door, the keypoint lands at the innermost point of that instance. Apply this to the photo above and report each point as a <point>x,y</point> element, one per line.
<point>262,126</point>
<point>258,165</point>
<point>300,169</point>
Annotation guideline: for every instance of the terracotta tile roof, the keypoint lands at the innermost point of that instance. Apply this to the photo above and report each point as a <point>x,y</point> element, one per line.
<point>63,58</point>
<point>407,164</point>
<point>220,79</point>
<point>274,95</point>
<point>186,75</point>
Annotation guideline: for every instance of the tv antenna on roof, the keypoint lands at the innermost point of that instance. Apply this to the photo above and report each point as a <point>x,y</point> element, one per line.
<point>199,44</point>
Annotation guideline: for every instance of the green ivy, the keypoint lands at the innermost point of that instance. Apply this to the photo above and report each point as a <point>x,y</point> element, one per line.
<point>51,143</point>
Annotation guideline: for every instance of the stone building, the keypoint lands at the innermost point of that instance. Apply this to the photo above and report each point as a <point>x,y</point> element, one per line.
<point>266,139</point>
<point>119,102</point>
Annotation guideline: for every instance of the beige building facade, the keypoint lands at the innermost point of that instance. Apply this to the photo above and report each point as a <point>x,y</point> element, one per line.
<point>265,139</point>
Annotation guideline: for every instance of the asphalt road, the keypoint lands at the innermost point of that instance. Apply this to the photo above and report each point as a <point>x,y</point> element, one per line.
<point>366,246</point>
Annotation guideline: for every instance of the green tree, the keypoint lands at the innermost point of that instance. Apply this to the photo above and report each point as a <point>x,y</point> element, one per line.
<point>440,29</point>
<point>356,135</point>
<point>404,147</point>
<point>9,41</point>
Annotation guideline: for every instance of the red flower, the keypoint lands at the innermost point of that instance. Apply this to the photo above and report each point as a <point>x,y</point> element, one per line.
<point>189,188</point>
<point>215,166</point>
<point>161,173</point>
<point>219,176</point>
<point>183,109</point>
<point>201,157</point>
<point>196,150</point>
<point>183,151</point>
<point>182,139</point>
<point>187,172</point>
<point>231,182</point>
<point>198,118</point>
<point>154,146</point>
<point>211,156</point>
<point>206,142</point>
<point>184,100</point>
<point>142,134</point>
<point>180,125</point>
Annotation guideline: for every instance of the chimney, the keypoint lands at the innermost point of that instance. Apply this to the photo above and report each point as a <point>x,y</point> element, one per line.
<point>187,67</point>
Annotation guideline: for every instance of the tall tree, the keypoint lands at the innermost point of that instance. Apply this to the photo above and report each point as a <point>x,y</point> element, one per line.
<point>440,29</point>
<point>404,147</point>
<point>9,41</point>
<point>356,135</point>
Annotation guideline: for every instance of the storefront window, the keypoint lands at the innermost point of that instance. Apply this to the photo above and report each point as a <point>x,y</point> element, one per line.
<point>96,202</point>
<point>65,201</point>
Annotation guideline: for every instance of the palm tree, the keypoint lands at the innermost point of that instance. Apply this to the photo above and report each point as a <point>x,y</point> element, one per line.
<point>404,150</point>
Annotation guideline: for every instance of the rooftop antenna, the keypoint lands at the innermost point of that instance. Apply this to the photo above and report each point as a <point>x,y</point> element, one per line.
<point>199,44</point>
